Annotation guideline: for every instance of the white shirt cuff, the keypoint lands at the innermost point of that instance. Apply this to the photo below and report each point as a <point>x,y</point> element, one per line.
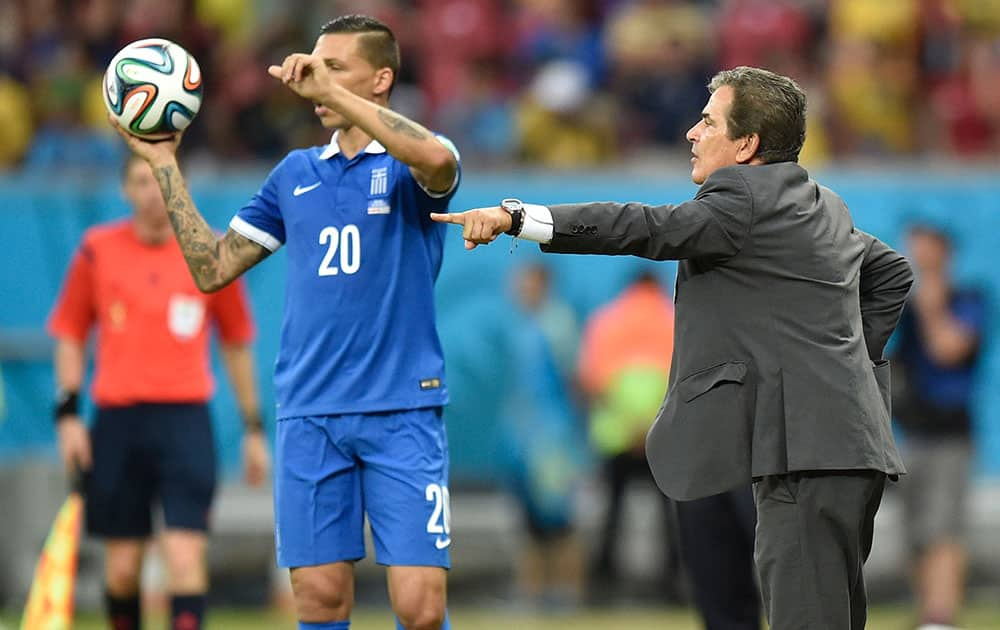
<point>537,223</point>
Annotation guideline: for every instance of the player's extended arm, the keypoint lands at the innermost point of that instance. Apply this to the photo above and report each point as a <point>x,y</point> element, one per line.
<point>433,164</point>
<point>239,363</point>
<point>214,262</point>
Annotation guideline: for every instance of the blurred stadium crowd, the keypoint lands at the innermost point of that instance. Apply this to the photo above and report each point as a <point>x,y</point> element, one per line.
<point>560,83</point>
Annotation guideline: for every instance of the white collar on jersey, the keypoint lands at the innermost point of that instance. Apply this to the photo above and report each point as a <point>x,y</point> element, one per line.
<point>333,148</point>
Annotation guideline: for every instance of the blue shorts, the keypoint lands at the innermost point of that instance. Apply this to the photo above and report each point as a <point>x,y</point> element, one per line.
<point>145,454</point>
<point>330,471</point>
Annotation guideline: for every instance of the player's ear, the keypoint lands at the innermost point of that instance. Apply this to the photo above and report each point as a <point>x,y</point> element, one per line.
<point>382,81</point>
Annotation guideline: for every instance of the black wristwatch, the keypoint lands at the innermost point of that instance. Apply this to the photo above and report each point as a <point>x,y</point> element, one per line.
<point>515,209</point>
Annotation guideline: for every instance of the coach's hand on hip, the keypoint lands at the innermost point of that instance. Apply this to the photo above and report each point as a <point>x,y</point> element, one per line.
<point>480,226</point>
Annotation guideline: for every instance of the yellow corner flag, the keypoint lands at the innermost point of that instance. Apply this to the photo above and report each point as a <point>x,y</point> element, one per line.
<point>50,603</point>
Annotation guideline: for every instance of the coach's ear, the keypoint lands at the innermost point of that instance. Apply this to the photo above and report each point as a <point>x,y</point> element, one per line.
<point>383,81</point>
<point>748,148</point>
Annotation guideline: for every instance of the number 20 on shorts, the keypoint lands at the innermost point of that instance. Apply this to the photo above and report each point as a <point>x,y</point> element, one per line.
<point>440,520</point>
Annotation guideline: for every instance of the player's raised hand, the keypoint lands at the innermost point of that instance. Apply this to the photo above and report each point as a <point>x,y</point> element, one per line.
<point>153,151</point>
<point>480,226</point>
<point>306,75</point>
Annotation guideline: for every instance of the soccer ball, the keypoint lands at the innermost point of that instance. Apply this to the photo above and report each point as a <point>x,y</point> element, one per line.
<point>153,88</point>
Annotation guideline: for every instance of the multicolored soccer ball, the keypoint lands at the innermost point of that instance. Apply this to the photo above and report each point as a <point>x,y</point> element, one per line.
<point>153,88</point>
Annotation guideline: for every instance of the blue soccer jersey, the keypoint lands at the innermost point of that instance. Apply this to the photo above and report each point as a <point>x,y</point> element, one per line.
<point>359,330</point>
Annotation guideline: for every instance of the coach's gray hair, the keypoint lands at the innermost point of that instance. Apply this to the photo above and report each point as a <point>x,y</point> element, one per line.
<point>769,105</point>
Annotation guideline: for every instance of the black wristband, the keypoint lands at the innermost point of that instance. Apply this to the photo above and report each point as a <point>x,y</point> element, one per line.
<point>67,404</point>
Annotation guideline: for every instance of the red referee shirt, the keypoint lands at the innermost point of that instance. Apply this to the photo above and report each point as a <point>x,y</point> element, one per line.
<point>152,322</point>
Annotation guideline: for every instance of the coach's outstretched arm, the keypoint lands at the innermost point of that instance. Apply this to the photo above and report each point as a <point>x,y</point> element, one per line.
<point>433,164</point>
<point>712,226</point>
<point>214,262</point>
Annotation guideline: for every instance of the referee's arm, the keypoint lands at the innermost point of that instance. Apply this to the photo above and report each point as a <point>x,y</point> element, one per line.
<point>74,438</point>
<point>238,360</point>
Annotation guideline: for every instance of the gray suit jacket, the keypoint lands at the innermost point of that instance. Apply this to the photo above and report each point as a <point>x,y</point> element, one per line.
<point>783,309</point>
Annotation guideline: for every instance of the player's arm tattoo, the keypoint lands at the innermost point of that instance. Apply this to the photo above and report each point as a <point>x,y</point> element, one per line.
<point>242,252</point>
<point>430,161</point>
<point>394,121</point>
<point>213,262</point>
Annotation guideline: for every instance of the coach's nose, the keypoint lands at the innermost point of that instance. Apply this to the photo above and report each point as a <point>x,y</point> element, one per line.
<point>693,133</point>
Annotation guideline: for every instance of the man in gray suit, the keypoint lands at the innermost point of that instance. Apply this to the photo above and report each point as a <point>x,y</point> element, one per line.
<point>783,309</point>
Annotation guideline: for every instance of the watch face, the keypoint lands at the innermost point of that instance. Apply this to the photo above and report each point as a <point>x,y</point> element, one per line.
<point>510,205</point>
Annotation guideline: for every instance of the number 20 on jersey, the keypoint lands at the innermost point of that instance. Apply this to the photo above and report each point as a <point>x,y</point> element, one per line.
<point>346,241</point>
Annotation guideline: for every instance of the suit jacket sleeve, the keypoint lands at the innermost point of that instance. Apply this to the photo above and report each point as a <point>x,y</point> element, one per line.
<point>713,225</point>
<point>886,278</point>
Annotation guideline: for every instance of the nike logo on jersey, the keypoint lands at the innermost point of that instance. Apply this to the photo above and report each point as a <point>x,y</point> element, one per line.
<point>441,544</point>
<point>301,190</point>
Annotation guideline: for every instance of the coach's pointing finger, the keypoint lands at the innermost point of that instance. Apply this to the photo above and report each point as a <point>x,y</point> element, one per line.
<point>457,218</point>
<point>479,226</point>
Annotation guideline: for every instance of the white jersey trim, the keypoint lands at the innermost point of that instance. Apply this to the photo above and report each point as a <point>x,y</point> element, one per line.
<point>448,144</point>
<point>439,195</point>
<point>255,234</point>
<point>333,148</point>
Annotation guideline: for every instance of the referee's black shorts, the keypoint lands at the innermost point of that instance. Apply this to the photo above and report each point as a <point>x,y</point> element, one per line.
<point>145,454</point>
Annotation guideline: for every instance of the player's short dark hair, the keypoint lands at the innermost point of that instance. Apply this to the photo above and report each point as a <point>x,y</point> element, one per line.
<point>377,44</point>
<point>769,105</point>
